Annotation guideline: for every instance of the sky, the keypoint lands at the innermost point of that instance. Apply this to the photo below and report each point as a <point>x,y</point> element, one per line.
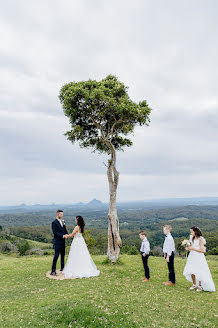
<point>164,51</point>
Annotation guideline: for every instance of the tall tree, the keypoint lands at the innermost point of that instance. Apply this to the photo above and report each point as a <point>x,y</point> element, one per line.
<point>101,115</point>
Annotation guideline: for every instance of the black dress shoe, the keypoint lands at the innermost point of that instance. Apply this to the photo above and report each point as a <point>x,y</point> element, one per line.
<point>53,273</point>
<point>61,269</point>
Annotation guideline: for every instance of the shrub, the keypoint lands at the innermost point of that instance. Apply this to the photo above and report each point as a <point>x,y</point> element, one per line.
<point>23,247</point>
<point>7,247</point>
<point>213,251</point>
<point>67,249</point>
<point>157,251</point>
<point>125,249</point>
<point>130,250</point>
<point>90,241</point>
<point>133,250</point>
<point>34,251</point>
<point>48,251</point>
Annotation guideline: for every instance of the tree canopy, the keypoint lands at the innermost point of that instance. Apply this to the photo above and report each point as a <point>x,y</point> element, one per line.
<point>101,113</point>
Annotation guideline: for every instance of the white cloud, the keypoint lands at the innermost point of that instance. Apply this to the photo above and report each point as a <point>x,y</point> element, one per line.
<point>165,51</point>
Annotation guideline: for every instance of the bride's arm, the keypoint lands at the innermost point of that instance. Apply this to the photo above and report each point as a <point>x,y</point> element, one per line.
<point>76,229</point>
<point>201,250</point>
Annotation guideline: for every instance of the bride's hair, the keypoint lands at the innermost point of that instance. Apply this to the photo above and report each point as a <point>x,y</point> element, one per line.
<point>81,223</point>
<point>197,232</point>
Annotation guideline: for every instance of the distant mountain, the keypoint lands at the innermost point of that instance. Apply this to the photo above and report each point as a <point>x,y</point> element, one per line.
<point>95,203</point>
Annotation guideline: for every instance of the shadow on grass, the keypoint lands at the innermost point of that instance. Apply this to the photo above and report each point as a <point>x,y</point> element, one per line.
<point>83,315</point>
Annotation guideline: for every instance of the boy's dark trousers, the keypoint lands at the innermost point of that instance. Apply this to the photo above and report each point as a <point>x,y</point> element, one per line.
<point>145,264</point>
<point>171,268</point>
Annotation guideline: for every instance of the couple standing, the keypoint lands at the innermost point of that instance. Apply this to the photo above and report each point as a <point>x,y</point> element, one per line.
<point>79,263</point>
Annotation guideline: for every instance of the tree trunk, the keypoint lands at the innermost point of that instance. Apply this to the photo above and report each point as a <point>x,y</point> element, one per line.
<point>114,240</point>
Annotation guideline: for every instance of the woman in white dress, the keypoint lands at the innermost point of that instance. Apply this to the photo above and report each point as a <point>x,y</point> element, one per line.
<point>79,263</point>
<point>196,269</point>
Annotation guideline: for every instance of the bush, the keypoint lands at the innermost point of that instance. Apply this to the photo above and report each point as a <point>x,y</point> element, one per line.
<point>130,250</point>
<point>90,241</point>
<point>133,250</point>
<point>34,251</point>
<point>157,251</point>
<point>48,251</point>
<point>95,251</point>
<point>7,247</point>
<point>67,249</point>
<point>23,247</point>
<point>213,251</point>
<point>125,249</point>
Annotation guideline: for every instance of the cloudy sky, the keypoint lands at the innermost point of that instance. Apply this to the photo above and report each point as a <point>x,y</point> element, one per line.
<point>165,51</point>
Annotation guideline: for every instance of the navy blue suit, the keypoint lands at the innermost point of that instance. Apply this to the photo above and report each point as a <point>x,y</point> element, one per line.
<point>59,243</point>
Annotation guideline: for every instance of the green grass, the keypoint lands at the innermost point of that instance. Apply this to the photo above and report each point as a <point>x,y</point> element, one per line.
<point>117,298</point>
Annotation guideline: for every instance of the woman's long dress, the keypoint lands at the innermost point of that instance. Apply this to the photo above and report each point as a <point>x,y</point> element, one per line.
<point>196,264</point>
<point>79,263</point>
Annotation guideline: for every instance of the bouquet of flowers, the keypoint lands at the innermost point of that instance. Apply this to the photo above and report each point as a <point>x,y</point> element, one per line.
<point>185,243</point>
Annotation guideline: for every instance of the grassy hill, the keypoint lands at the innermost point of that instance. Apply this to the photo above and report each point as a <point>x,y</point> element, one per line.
<point>35,244</point>
<point>117,298</point>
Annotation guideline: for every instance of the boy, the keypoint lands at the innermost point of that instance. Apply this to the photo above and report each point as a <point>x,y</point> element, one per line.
<point>145,249</point>
<point>169,251</point>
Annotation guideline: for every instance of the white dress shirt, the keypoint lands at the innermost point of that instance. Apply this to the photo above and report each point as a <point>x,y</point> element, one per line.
<point>60,221</point>
<point>169,245</point>
<point>145,247</point>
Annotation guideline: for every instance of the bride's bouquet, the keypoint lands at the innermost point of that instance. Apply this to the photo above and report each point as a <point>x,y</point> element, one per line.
<point>185,243</point>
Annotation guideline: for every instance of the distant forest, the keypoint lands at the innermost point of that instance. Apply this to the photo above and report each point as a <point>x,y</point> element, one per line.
<point>37,225</point>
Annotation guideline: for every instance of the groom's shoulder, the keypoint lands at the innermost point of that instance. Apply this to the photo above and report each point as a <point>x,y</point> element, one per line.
<point>53,222</point>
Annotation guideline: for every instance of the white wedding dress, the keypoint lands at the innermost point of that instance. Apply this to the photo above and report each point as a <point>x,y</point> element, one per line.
<point>79,263</point>
<point>196,264</point>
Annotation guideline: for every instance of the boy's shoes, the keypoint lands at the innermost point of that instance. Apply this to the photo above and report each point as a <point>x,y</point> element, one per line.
<point>168,283</point>
<point>145,280</point>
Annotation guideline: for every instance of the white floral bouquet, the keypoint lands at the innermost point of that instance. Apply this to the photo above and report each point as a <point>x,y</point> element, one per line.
<point>185,243</point>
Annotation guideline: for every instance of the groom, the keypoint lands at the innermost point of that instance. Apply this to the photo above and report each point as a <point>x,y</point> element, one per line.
<point>60,234</point>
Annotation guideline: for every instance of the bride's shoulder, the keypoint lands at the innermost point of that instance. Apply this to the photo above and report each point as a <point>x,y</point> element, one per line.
<point>76,229</point>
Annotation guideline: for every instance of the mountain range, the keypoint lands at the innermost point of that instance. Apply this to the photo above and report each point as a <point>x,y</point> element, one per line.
<point>96,204</point>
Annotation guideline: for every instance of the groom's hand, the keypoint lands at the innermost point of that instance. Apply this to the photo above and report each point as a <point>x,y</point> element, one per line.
<point>65,236</point>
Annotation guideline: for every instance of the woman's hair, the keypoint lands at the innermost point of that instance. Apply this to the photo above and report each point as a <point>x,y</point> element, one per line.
<point>197,232</point>
<point>81,223</point>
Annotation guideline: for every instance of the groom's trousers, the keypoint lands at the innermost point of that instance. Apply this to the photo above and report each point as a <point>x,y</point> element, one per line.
<point>58,250</point>
<point>145,264</point>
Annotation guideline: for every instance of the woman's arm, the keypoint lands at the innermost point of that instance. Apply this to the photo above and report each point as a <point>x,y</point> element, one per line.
<point>76,229</point>
<point>201,250</point>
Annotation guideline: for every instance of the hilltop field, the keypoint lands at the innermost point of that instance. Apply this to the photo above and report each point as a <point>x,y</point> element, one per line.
<point>117,298</point>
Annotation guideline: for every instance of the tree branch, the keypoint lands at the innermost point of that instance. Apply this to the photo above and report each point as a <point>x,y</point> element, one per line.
<point>113,126</point>
<point>98,126</point>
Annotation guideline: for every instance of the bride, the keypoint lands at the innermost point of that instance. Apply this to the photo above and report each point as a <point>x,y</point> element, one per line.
<point>196,269</point>
<point>79,263</point>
